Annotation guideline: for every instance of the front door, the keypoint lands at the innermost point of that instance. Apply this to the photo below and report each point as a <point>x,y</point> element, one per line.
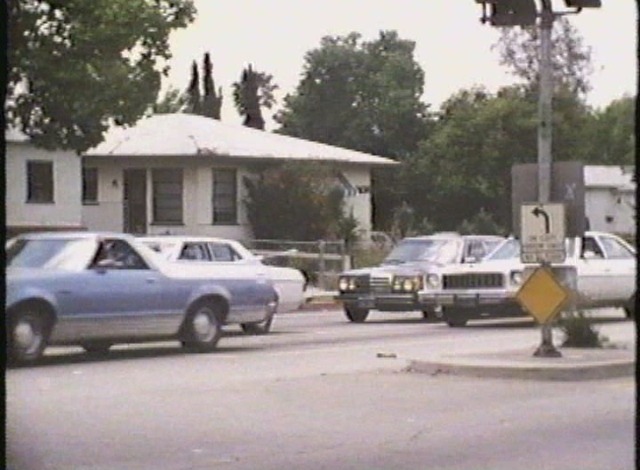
<point>135,201</point>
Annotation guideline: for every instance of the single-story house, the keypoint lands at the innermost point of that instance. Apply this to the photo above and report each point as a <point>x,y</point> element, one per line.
<point>43,187</point>
<point>610,198</point>
<point>183,174</point>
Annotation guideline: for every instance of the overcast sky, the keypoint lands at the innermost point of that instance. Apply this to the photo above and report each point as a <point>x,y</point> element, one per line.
<point>452,46</point>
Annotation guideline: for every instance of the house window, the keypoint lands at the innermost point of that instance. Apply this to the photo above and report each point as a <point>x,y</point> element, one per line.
<point>167,196</point>
<point>89,185</point>
<point>39,182</point>
<point>224,197</point>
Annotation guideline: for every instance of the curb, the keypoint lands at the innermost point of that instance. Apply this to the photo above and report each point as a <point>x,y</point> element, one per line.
<point>557,373</point>
<point>575,365</point>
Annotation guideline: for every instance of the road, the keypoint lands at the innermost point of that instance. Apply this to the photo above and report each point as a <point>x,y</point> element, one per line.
<point>316,393</point>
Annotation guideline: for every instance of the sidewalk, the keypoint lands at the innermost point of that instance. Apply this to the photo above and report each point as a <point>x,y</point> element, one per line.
<point>617,359</point>
<point>574,365</point>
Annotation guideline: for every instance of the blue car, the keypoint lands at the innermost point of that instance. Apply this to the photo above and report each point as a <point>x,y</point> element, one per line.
<point>99,289</point>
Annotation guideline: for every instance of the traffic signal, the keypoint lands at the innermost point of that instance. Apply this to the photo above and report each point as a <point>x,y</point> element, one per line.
<point>583,3</point>
<point>510,12</point>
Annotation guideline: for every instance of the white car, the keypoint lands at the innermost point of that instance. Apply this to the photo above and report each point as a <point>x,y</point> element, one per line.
<point>606,277</point>
<point>217,253</point>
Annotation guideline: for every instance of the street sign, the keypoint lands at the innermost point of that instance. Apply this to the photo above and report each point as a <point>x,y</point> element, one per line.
<point>543,233</point>
<point>567,187</point>
<point>542,295</point>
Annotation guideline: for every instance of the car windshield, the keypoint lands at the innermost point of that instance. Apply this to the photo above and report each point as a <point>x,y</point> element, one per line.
<point>52,253</point>
<point>430,250</point>
<point>507,250</point>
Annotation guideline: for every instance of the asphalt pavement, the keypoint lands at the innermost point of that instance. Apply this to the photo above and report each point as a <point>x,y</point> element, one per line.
<point>617,357</point>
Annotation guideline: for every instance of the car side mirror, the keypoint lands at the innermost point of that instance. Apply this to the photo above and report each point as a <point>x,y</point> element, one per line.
<point>471,259</point>
<point>588,254</point>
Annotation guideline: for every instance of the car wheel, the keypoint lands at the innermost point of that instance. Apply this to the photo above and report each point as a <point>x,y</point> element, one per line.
<point>356,315</point>
<point>261,328</point>
<point>455,318</point>
<point>97,348</point>
<point>202,327</point>
<point>27,335</point>
<point>630,308</point>
<point>456,322</point>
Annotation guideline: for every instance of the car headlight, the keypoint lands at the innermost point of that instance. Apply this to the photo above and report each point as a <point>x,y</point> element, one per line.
<point>347,283</point>
<point>516,278</point>
<point>406,283</point>
<point>433,280</point>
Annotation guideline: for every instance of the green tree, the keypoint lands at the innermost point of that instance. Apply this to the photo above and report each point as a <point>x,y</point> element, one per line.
<point>570,60</point>
<point>194,100</point>
<point>466,162</point>
<point>211,101</point>
<point>251,93</point>
<point>613,133</point>
<point>74,66</point>
<point>173,101</point>
<point>364,96</point>
<point>295,202</point>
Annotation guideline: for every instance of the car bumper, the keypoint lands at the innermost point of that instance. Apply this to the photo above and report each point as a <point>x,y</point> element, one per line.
<point>382,302</point>
<point>467,299</point>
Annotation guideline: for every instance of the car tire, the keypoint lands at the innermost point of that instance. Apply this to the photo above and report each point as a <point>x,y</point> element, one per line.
<point>97,348</point>
<point>355,314</point>
<point>455,318</point>
<point>456,322</point>
<point>27,335</point>
<point>202,328</point>
<point>261,328</point>
<point>630,308</point>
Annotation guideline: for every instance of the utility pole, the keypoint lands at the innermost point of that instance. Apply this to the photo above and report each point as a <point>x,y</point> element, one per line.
<point>510,13</point>
<point>545,116</point>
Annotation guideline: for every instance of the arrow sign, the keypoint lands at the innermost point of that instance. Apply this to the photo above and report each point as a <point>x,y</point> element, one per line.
<point>542,232</point>
<point>541,212</point>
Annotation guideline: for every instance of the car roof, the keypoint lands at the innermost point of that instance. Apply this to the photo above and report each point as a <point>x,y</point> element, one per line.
<point>184,238</point>
<point>67,235</point>
<point>450,235</point>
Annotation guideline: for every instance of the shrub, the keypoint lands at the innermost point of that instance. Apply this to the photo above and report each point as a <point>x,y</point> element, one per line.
<point>579,332</point>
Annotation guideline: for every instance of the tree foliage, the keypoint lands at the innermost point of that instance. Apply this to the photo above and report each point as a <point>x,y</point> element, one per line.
<point>173,101</point>
<point>570,60</point>
<point>251,93</point>
<point>208,102</point>
<point>362,95</point>
<point>75,66</point>
<point>296,202</point>
<point>613,135</point>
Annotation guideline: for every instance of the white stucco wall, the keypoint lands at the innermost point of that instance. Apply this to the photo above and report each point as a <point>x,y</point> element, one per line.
<point>197,188</point>
<point>610,210</point>
<point>65,211</point>
<point>361,203</point>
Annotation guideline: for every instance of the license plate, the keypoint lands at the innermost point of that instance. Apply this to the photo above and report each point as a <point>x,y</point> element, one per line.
<point>445,299</point>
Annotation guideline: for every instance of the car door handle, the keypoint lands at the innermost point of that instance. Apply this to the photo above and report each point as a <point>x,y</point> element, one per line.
<point>151,280</point>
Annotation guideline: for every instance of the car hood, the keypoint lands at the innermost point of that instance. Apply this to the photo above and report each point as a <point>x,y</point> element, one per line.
<point>483,267</point>
<point>408,269</point>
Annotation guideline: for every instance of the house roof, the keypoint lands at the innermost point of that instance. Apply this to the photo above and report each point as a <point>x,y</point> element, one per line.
<point>609,176</point>
<point>188,134</point>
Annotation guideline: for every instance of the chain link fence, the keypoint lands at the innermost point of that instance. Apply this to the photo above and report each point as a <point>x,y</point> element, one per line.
<point>321,261</point>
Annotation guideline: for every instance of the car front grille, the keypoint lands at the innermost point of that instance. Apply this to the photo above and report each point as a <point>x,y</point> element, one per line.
<point>372,285</point>
<point>473,281</point>
<point>380,285</point>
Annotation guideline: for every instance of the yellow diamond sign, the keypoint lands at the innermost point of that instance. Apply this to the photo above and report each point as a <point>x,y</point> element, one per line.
<point>542,295</point>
